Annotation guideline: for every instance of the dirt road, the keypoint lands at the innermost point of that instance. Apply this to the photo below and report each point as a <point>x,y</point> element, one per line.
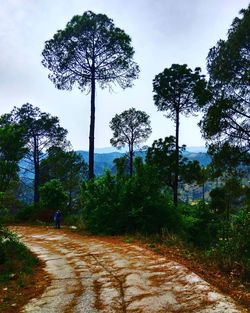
<point>91,274</point>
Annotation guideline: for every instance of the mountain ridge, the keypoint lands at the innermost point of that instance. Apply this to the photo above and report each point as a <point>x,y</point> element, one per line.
<point>125,149</point>
<point>104,161</point>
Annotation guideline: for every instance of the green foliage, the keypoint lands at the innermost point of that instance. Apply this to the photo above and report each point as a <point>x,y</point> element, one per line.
<point>151,207</point>
<point>9,205</point>
<point>218,201</point>
<point>227,114</point>
<point>199,224</point>
<point>233,253</point>
<point>41,131</point>
<point>15,258</point>
<point>225,200</point>
<point>90,49</point>
<point>131,127</point>
<point>191,172</point>
<point>122,166</point>
<point>5,237</point>
<point>240,245</point>
<point>69,168</point>
<point>228,61</point>
<point>75,221</point>
<point>228,160</point>
<point>11,141</point>
<point>178,90</point>
<point>8,173</point>
<point>116,205</point>
<point>11,151</point>
<point>105,50</point>
<point>101,209</point>
<point>53,197</point>
<point>223,234</point>
<point>26,213</point>
<point>162,156</point>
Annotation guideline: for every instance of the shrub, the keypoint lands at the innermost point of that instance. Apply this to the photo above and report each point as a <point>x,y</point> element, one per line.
<point>9,205</point>
<point>118,204</point>
<point>53,197</point>
<point>14,257</point>
<point>26,213</point>
<point>102,209</point>
<point>75,220</point>
<point>199,224</point>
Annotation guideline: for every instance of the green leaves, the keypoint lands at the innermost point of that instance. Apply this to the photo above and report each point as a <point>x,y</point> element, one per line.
<point>118,205</point>
<point>229,160</point>
<point>40,132</point>
<point>41,129</point>
<point>90,49</point>
<point>11,151</point>
<point>227,115</point>
<point>131,128</point>
<point>162,157</point>
<point>90,45</point>
<point>12,142</point>
<point>69,168</point>
<point>229,60</point>
<point>178,89</point>
<point>53,197</point>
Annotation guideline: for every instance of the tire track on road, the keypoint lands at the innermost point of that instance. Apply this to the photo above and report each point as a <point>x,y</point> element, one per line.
<point>94,274</point>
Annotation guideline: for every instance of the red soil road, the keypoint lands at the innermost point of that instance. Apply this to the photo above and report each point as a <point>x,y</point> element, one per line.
<point>98,274</point>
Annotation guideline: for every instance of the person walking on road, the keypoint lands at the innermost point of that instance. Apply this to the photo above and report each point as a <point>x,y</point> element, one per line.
<point>57,219</point>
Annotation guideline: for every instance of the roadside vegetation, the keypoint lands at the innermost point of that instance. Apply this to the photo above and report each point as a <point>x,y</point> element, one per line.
<point>40,173</point>
<point>18,268</point>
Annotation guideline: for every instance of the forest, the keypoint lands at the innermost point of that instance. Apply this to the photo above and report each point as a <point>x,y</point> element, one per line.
<point>41,173</point>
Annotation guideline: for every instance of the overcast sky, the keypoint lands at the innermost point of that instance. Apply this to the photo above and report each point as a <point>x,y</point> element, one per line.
<point>162,31</point>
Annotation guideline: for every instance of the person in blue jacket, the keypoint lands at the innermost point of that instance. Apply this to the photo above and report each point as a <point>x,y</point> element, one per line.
<point>57,219</point>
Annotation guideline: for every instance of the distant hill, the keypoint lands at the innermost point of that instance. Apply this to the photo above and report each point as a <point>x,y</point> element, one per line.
<point>196,149</point>
<point>104,161</point>
<point>202,157</point>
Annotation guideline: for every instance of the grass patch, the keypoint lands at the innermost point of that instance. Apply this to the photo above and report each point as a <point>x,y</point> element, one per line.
<point>16,260</point>
<point>17,266</point>
<point>129,239</point>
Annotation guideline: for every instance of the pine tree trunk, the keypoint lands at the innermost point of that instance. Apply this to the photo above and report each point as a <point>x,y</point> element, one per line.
<point>92,129</point>
<point>131,153</point>
<point>70,200</point>
<point>176,158</point>
<point>36,172</point>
